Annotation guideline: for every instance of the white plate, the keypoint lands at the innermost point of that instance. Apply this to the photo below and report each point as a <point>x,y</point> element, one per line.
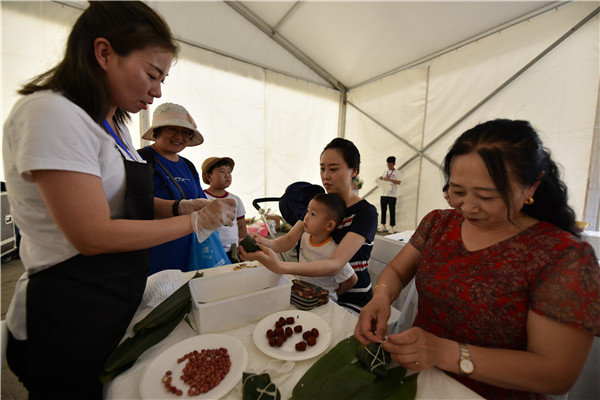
<point>152,387</point>
<point>288,351</point>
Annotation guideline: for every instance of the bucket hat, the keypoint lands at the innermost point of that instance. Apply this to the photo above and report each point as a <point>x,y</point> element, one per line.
<point>210,162</point>
<point>171,114</point>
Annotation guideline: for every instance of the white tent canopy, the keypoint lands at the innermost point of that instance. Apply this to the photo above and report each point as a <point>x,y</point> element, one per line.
<point>270,83</point>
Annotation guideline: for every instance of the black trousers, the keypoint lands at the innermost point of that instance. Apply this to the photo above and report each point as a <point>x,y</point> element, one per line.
<point>390,202</point>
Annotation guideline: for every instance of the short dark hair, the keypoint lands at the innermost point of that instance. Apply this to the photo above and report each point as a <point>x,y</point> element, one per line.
<point>335,205</point>
<point>391,159</point>
<point>348,150</point>
<point>219,163</point>
<point>128,26</point>
<point>513,149</point>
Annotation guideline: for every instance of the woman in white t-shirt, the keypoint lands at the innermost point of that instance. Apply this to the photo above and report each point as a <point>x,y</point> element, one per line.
<point>83,201</point>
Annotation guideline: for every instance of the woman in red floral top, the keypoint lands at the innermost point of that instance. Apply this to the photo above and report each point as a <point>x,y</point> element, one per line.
<point>509,295</point>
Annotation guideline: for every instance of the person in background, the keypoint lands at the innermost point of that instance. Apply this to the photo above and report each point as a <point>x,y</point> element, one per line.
<point>509,295</point>
<point>83,200</point>
<point>389,194</point>
<point>175,177</point>
<point>216,172</point>
<point>323,216</point>
<point>340,162</point>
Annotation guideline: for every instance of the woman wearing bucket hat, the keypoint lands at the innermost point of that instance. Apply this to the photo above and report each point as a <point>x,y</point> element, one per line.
<point>175,177</point>
<point>82,198</point>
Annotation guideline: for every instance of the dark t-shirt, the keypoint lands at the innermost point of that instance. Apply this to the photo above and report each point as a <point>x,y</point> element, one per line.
<point>360,218</point>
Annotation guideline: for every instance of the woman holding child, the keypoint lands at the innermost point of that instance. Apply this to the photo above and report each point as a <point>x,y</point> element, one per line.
<point>340,163</point>
<point>509,295</point>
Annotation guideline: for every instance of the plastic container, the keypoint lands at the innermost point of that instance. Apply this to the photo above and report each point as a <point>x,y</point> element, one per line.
<point>236,298</point>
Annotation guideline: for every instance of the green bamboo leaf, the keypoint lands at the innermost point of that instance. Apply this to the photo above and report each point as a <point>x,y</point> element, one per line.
<point>406,390</point>
<point>163,313</point>
<point>127,353</point>
<point>374,358</point>
<point>383,386</point>
<point>256,387</point>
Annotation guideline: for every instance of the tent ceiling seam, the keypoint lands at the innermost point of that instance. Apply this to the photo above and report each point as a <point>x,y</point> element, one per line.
<point>515,76</point>
<point>463,43</point>
<point>80,7</point>
<point>286,16</point>
<point>388,130</point>
<point>250,62</point>
<point>286,44</point>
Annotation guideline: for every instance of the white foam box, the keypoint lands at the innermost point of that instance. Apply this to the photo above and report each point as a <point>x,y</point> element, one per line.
<point>232,299</point>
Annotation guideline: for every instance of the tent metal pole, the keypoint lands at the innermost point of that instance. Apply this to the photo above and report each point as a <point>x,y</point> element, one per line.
<point>388,130</point>
<point>286,44</point>
<point>342,113</point>
<point>591,208</point>
<point>81,6</point>
<point>515,76</point>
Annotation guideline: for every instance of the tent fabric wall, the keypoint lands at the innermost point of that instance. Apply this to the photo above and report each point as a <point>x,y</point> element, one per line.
<point>252,116</point>
<point>275,126</point>
<point>558,95</point>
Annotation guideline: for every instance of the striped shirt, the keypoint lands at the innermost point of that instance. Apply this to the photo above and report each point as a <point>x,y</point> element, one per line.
<point>360,218</point>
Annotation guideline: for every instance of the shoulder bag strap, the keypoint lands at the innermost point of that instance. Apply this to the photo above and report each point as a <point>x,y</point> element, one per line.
<point>171,177</point>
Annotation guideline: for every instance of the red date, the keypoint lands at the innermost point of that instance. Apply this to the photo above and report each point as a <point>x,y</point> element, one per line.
<point>281,333</point>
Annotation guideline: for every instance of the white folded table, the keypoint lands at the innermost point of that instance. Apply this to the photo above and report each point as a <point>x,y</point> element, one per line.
<point>432,383</point>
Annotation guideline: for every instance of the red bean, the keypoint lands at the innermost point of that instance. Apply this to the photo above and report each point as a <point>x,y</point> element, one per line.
<point>203,371</point>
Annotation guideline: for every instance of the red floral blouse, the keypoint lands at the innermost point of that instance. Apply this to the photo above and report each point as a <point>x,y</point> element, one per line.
<point>482,297</point>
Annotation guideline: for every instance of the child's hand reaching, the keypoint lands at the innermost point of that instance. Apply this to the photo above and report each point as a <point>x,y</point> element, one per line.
<point>265,256</point>
<point>262,240</point>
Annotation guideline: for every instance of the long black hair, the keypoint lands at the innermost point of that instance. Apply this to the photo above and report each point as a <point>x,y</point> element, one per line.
<point>513,150</point>
<point>128,26</point>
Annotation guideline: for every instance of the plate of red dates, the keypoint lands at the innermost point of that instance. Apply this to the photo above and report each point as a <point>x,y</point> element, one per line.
<point>201,367</point>
<point>292,335</point>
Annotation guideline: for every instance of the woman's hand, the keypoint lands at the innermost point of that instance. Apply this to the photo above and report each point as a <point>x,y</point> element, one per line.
<point>214,215</point>
<point>372,321</point>
<point>190,205</point>
<point>415,349</point>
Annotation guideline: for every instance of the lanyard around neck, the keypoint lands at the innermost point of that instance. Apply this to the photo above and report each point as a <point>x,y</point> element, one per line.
<point>117,139</point>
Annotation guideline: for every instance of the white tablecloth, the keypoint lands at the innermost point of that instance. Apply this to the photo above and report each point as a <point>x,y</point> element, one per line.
<point>432,383</point>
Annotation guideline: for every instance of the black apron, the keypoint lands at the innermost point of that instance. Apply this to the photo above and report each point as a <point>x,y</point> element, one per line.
<point>79,309</point>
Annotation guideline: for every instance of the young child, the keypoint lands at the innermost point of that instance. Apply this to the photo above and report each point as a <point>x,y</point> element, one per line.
<point>324,214</point>
<point>216,172</point>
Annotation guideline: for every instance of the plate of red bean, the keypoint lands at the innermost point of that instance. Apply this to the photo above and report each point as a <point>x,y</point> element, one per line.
<point>201,367</point>
<point>292,335</point>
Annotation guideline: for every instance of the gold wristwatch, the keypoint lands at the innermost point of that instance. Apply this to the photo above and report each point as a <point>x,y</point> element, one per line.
<point>465,363</point>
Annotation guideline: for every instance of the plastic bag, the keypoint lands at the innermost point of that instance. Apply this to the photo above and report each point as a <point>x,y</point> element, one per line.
<point>208,254</point>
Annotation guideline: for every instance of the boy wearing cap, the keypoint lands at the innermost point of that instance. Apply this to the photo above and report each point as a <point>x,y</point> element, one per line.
<point>216,172</point>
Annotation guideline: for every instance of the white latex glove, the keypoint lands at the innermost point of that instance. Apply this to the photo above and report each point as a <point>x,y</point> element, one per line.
<point>191,205</point>
<point>217,213</point>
